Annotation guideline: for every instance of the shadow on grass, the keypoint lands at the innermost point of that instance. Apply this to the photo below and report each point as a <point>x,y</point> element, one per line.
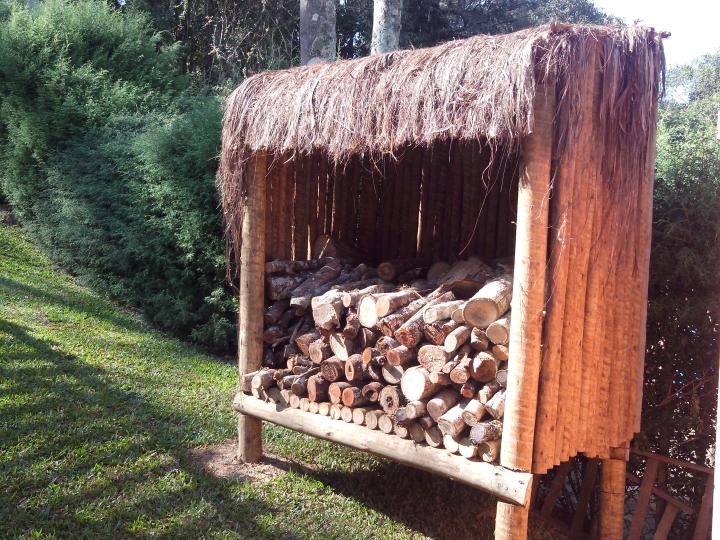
<point>81,456</point>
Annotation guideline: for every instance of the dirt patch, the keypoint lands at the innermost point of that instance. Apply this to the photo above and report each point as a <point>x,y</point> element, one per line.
<point>221,461</point>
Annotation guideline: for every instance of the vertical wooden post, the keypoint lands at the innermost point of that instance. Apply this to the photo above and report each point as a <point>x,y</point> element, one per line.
<point>252,301</point>
<point>527,307</point>
<point>612,499</point>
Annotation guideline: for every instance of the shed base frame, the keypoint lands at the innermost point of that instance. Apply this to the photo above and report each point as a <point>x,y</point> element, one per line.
<point>513,487</point>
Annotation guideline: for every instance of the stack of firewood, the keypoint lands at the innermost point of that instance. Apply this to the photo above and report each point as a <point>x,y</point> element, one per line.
<point>415,350</point>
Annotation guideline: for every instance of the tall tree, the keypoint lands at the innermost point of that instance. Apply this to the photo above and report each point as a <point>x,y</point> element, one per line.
<point>386,26</point>
<point>317,31</point>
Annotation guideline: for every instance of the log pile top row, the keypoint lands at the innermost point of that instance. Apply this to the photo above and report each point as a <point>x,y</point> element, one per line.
<point>415,350</point>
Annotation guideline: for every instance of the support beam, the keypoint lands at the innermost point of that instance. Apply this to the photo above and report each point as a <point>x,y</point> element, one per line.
<point>509,486</point>
<point>612,499</point>
<point>527,306</point>
<point>252,302</point>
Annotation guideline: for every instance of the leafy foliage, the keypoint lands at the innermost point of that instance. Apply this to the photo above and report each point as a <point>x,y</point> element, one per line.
<point>108,155</point>
<point>681,365</point>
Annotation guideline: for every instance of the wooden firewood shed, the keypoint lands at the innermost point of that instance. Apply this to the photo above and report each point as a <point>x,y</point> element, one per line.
<point>539,145</point>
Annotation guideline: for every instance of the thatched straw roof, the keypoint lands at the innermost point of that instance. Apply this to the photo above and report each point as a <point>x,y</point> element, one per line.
<point>478,88</point>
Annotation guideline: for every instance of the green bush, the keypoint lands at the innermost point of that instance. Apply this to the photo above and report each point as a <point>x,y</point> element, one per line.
<point>108,156</point>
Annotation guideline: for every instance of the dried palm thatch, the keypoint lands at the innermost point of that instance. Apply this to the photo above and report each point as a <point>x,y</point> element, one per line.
<point>478,88</point>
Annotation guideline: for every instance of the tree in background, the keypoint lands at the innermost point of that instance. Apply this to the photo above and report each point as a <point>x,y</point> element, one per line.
<point>386,26</point>
<point>317,31</point>
<point>681,375</point>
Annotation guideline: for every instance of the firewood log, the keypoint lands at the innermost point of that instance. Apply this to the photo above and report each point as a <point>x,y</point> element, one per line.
<point>351,298</point>
<point>367,310</point>
<point>386,424</point>
<point>275,311</point>
<point>400,356</point>
<point>466,448</point>
<point>388,303</point>
<point>314,407</point>
<point>488,391</point>
<point>298,361</point>
<point>483,367</point>
<point>499,331</point>
<point>346,414</point>
<point>478,340</point>
<point>400,430</point>
<point>434,437</point>
<point>262,379</point>
<point>415,432</point>
<point>457,338</point>
<point>287,381</point>
<point>426,422</point>
<point>304,404</point>
<point>285,398</point>
<point>469,389</point>
<point>389,324</point>
<point>486,431</point>
<point>352,397</point>
<point>438,377</point>
<point>287,318</point>
<point>489,451</point>
<point>437,270</point>
<point>303,341</point>
<point>332,369</point>
<point>324,409</point>
<point>496,405</point>
<point>501,377</point>
<point>374,373</point>
<point>416,384</point>
<point>352,325</point>
<point>372,417</point>
<point>471,269</point>
<point>434,332</point>
<point>411,331</point>
<point>451,422</point>
<point>385,343</point>
<point>401,417</point>
<point>392,374</point>
<point>358,415</point>
<point>335,411</point>
<point>457,315</point>
<point>281,287</point>
<point>299,387</point>
<point>500,352</point>
<point>273,394</point>
<point>432,357</point>
<point>391,399</point>
<point>451,443</point>
<point>280,374</point>
<point>294,401</point>
<point>449,326</point>
<point>371,391</point>
<point>317,388</point>
<point>366,338</point>
<point>441,311</point>
<point>442,402</point>
<point>473,412</point>
<point>372,357</point>
<point>461,372</point>
<point>342,347</point>
<point>355,370</point>
<point>328,313</point>
<point>268,360</point>
<point>415,409</point>
<point>318,351</point>
<point>246,382</point>
<point>489,303</point>
<point>302,295</point>
<point>389,270</point>
<point>335,391</point>
<point>292,267</point>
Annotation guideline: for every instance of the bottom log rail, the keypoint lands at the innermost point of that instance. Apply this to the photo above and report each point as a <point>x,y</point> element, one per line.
<point>509,486</point>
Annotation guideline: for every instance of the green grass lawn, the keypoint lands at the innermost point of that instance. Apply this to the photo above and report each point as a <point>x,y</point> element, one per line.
<point>98,411</point>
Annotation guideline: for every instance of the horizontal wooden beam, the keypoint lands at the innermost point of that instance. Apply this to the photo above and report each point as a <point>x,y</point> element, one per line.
<point>507,485</point>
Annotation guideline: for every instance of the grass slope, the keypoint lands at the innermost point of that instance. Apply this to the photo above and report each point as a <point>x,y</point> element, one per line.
<point>97,412</point>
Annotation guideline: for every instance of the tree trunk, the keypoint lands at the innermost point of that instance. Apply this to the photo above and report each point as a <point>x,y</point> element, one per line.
<point>317,31</point>
<point>386,26</point>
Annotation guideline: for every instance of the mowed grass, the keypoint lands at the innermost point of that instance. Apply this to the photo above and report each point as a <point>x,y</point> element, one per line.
<point>98,411</point>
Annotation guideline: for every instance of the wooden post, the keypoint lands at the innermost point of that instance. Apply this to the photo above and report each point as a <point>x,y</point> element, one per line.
<point>252,300</point>
<point>612,499</point>
<point>527,307</point>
